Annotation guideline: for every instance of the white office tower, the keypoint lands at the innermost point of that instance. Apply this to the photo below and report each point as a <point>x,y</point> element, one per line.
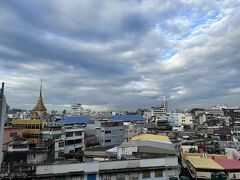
<point>2,119</point>
<point>76,109</point>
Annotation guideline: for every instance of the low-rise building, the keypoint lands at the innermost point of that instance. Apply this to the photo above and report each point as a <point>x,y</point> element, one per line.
<point>31,128</point>
<point>74,139</point>
<point>144,157</point>
<point>203,168</point>
<point>109,133</point>
<point>51,132</point>
<point>151,168</point>
<point>185,118</point>
<point>70,143</point>
<point>146,145</point>
<point>234,114</point>
<point>10,134</point>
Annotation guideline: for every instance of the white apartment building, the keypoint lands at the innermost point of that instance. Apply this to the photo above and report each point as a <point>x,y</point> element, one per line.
<point>173,117</point>
<point>74,139</point>
<point>185,119</point>
<point>109,133</point>
<point>76,109</point>
<point>71,142</point>
<point>158,111</point>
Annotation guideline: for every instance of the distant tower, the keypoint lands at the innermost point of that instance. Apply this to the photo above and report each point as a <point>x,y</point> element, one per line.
<point>76,109</point>
<point>39,110</point>
<point>165,103</point>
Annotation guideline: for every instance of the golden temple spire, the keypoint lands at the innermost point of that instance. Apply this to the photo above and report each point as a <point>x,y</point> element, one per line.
<point>41,89</point>
<point>40,105</point>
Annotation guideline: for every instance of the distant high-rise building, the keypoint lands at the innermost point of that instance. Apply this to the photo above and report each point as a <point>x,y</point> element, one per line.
<point>3,107</point>
<point>160,110</point>
<point>76,109</point>
<point>165,104</point>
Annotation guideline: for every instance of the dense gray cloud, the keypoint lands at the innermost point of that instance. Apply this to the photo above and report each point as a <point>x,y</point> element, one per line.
<point>120,54</point>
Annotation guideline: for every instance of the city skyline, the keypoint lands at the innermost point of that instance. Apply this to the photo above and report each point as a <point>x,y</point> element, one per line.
<point>120,54</point>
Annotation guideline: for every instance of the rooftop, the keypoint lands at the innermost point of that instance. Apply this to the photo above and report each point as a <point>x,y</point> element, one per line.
<point>151,137</point>
<point>26,121</point>
<point>74,120</point>
<point>216,164</point>
<point>229,164</point>
<point>132,117</point>
<point>204,163</point>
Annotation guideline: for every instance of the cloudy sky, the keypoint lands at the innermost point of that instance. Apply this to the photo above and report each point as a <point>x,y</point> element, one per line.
<point>120,54</point>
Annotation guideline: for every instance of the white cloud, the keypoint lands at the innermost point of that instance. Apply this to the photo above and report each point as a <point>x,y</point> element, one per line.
<point>121,53</point>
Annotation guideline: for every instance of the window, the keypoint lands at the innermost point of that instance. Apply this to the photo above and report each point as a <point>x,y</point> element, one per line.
<point>108,140</point>
<point>158,173</point>
<point>77,150</point>
<point>106,177</point>
<point>13,134</point>
<point>61,144</point>
<point>146,174</point>
<point>120,176</point>
<point>107,132</point>
<point>69,134</point>
<point>61,154</point>
<point>71,142</point>
<point>78,133</point>
<point>133,176</point>
<point>78,141</point>
<point>15,147</point>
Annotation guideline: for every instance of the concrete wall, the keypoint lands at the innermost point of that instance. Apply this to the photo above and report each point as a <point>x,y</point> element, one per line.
<point>89,167</point>
<point>36,158</point>
<point>116,136</point>
<point>126,151</point>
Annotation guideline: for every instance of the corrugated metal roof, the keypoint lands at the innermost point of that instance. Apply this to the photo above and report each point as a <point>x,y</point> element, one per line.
<point>74,120</point>
<point>200,155</point>
<point>134,117</point>
<point>150,137</point>
<point>229,164</point>
<point>204,163</point>
<point>148,143</point>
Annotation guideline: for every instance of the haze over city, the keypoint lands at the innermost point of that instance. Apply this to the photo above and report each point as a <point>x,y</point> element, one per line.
<point>114,54</point>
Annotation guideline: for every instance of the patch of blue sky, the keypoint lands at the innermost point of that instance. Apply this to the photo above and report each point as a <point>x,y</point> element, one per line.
<point>209,18</point>
<point>182,36</point>
<point>203,22</point>
<point>168,54</point>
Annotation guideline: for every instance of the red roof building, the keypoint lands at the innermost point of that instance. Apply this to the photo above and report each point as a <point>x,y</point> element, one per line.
<point>228,164</point>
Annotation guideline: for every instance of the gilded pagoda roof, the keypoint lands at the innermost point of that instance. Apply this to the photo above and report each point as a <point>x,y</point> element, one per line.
<point>40,105</point>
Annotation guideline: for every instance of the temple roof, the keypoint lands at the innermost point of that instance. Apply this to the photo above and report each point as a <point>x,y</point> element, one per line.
<point>40,105</point>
